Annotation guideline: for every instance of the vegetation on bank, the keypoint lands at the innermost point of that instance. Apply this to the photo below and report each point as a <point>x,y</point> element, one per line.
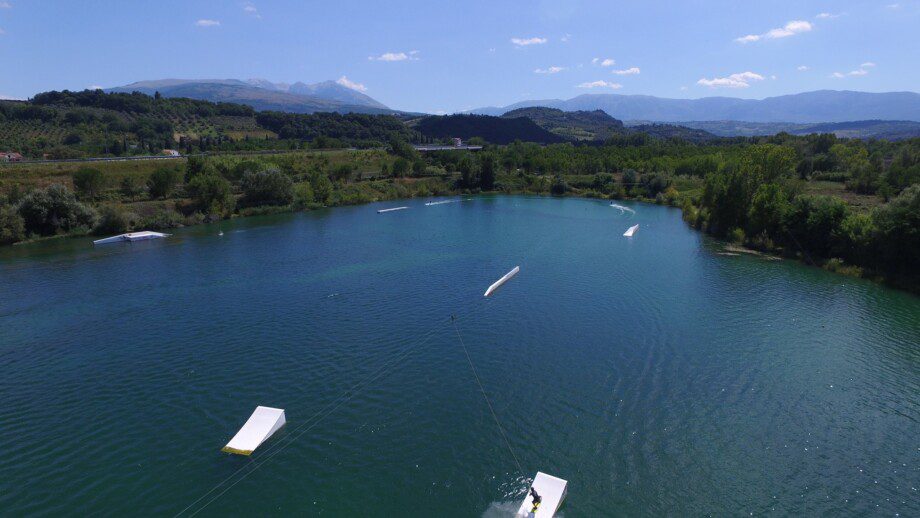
<point>849,205</point>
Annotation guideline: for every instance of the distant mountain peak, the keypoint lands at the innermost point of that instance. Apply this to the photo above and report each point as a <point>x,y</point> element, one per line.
<point>263,94</point>
<point>806,107</point>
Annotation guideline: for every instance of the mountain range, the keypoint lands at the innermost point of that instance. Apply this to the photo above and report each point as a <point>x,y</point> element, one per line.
<point>261,94</point>
<point>820,106</point>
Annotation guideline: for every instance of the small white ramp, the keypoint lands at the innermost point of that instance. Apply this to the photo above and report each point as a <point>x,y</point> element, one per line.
<point>552,492</point>
<point>631,230</point>
<point>497,284</point>
<point>262,424</point>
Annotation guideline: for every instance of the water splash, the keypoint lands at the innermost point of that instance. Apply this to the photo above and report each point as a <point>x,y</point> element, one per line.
<point>623,209</point>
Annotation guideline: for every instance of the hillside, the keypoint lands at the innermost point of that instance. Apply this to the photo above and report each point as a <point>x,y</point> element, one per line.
<point>598,126</point>
<point>496,130</point>
<point>809,107</point>
<point>262,95</point>
<point>878,129</point>
<point>578,125</point>
<point>92,123</point>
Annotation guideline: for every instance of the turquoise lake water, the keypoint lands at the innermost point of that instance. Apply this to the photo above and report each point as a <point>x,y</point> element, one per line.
<point>654,374</point>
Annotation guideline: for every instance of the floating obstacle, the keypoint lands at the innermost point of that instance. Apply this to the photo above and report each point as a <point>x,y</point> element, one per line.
<point>631,230</point>
<point>130,237</point>
<point>497,284</point>
<point>552,492</point>
<point>442,202</point>
<point>261,425</point>
<point>381,211</point>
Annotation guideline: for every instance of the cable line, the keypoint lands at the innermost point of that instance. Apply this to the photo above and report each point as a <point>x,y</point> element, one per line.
<point>486,397</point>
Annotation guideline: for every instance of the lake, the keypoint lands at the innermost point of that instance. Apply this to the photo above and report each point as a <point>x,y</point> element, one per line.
<point>654,374</point>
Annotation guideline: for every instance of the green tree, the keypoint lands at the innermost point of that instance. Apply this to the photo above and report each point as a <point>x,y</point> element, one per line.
<point>53,210</point>
<point>12,226</point>
<point>162,181</point>
<point>768,208</point>
<point>898,238</point>
<point>88,182</point>
<point>211,193</point>
<point>270,187</point>
<point>488,166</point>
<point>400,167</point>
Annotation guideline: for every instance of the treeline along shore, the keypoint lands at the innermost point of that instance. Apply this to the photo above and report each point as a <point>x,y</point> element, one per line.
<point>844,204</point>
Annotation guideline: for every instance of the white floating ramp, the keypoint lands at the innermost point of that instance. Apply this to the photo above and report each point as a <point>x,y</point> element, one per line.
<point>497,284</point>
<point>131,236</point>
<point>552,492</point>
<point>631,230</point>
<point>262,424</point>
<point>381,211</point>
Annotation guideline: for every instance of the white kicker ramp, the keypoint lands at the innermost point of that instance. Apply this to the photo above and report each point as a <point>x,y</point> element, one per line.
<point>262,424</point>
<point>631,230</point>
<point>552,490</point>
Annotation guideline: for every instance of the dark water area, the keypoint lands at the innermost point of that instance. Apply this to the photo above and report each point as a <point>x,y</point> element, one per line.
<point>655,375</point>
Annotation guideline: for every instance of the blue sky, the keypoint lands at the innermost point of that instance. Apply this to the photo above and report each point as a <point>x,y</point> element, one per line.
<point>450,56</point>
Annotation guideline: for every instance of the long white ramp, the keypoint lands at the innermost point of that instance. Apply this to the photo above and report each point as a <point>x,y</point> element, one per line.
<point>262,424</point>
<point>497,284</point>
<point>552,492</point>
<point>131,237</point>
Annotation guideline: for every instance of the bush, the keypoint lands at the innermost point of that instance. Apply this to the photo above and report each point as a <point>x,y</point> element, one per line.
<point>271,187</point>
<point>88,182</point>
<point>114,219</point>
<point>131,187</point>
<point>211,193</point>
<point>239,170</point>
<point>303,195</point>
<point>163,219</point>
<point>162,182</point>
<point>342,172</point>
<point>55,209</point>
<point>12,226</point>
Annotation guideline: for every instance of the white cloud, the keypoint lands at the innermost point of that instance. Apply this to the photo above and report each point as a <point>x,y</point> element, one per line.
<point>683,88</point>
<point>801,68</point>
<point>604,62</point>
<point>523,42</point>
<point>790,29</point>
<point>207,23</point>
<point>549,70</point>
<point>4,97</point>
<point>251,10</point>
<point>395,56</point>
<point>565,38</point>
<point>347,83</point>
<point>627,72</point>
<point>893,6</point>
<point>825,16</point>
<point>600,84</point>
<point>94,87</point>
<point>2,32</point>
<point>861,71</point>
<point>739,80</point>
<point>6,5</point>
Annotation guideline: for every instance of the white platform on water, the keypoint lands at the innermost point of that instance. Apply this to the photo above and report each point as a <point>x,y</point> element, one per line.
<point>130,236</point>
<point>495,285</point>
<point>631,230</point>
<point>381,211</point>
<point>262,424</point>
<point>551,489</point>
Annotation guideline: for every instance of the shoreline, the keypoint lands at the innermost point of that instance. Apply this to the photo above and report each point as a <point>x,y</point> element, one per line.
<point>729,248</point>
